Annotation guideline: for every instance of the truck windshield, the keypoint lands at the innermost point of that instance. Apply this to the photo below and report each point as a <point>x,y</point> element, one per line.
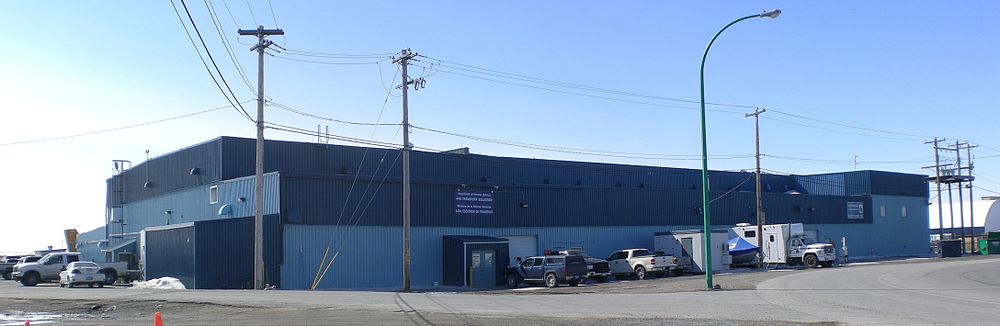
<point>808,241</point>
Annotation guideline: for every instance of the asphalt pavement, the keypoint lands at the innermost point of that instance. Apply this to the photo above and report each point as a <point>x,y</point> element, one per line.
<point>931,291</point>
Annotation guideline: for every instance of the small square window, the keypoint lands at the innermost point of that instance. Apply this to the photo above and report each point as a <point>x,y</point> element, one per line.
<point>213,194</point>
<point>881,211</point>
<point>903,211</point>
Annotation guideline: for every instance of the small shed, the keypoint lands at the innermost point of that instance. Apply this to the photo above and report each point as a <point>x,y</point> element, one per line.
<point>213,254</point>
<point>688,243</point>
<point>473,260</point>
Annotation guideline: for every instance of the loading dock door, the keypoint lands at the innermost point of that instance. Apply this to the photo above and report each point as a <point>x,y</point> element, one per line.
<point>522,246</point>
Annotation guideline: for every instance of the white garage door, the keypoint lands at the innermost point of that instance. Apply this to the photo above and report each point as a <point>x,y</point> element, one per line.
<point>521,246</point>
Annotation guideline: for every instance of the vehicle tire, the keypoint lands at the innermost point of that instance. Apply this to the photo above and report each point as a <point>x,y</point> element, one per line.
<point>110,277</point>
<point>551,280</point>
<point>7,276</point>
<point>100,285</point>
<point>826,263</point>
<point>90,285</point>
<point>62,285</point>
<point>810,261</point>
<point>640,272</point>
<point>30,279</point>
<point>574,283</point>
<point>512,281</point>
<point>602,279</point>
<point>677,272</point>
<point>70,285</point>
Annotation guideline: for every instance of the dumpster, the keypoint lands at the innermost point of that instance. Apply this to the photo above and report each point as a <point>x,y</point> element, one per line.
<point>951,248</point>
<point>990,245</point>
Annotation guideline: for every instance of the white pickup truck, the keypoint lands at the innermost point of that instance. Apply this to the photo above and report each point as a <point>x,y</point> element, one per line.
<point>48,268</point>
<point>638,262</point>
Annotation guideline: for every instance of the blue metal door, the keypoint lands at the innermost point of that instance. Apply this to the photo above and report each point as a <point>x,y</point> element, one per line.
<point>483,270</point>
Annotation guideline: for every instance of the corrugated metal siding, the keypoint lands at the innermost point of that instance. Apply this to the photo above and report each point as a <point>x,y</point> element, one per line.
<point>892,235</point>
<point>167,173</point>
<point>320,200</point>
<point>898,184</point>
<point>224,253</point>
<point>193,204</point>
<point>215,254</point>
<point>170,253</point>
<point>354,267</point>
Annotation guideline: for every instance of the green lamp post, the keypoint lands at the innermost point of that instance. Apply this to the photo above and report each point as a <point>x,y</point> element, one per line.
<point>707,236</point>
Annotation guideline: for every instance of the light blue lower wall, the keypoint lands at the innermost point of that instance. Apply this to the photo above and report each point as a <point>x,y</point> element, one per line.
<point>891,235</point>
<point>370,257</point>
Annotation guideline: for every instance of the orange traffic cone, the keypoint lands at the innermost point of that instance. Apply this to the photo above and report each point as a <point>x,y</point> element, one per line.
<point>156,319</point>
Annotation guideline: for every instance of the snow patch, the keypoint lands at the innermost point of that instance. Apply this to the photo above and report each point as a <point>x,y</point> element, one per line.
<point>163,283</point>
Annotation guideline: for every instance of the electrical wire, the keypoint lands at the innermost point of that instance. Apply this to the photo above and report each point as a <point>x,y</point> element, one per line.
<point>117,128</point>
<point>269,52</point>
<point>567,150</point>
<point>251,14</point>
<point>306,114</point>
<point>548,89</point>
<point>731,190</point>
<point>209,53</point>
<point>843,162</point>
<point>498,73</point>
<point>232,56</point>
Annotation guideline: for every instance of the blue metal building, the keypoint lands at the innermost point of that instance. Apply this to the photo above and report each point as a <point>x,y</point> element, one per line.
<point>345,202</point>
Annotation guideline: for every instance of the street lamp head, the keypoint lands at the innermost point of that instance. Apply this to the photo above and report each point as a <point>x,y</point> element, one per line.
<point>771,14</point>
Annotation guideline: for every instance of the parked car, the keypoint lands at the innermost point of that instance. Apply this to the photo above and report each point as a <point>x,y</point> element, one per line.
<point>7,266</point>
<point>49,266</point>
<point>9,271</point>
<point>639,262</point>
<point>81,272</point>
<point>548,270</point>
<point>597,269</point>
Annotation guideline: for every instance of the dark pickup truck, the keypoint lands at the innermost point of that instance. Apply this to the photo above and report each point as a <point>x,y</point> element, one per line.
<point>548,270</point>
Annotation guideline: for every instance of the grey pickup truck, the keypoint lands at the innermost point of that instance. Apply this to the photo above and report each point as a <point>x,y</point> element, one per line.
<point>548,270</point>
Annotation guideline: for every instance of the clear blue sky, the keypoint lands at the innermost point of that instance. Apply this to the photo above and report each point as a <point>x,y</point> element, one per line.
<point>917,69</point>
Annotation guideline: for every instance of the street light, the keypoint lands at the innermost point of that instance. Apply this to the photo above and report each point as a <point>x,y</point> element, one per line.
<point>706,237</point>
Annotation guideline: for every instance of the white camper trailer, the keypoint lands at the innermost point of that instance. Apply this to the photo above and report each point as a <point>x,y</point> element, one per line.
<point>789,244</point>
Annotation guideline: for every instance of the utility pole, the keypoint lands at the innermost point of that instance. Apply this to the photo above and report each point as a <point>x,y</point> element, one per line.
<point>403,60</point>
<point>855,162</point>
<point>760,204</point>
<point>972,209</point>
<point>961,205</point>
<point>258,201</point>
<point>937,181</point>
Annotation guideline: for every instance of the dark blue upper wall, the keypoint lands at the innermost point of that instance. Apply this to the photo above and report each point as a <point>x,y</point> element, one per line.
<point>313,199</point>
<point>166,174</point>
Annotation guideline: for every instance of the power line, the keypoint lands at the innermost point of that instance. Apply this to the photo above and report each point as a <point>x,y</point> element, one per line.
<point>575,93</point>
<point>567,150</point>
<point>324,62</point>
<point>252,15</point>
<point>289,109</point>
<point>209,53</point>
<point>225,42</point>
<point>117,128</point>
<point>731,190</point>
<point>846,162</point>
<point>498,73</point>
<point>302,131</point>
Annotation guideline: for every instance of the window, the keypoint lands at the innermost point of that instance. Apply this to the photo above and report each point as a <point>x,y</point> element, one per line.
<point>639,253</point>
<point>881,211</point>
<point>553,261</point>
<point>772,238</point>
<point>527,263</point>
<point>617,255</point>
<point>749,234</point>
<point>72,258</point>
<point>538,262</point>
<point>213,194</point>
<point>902,211</point>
